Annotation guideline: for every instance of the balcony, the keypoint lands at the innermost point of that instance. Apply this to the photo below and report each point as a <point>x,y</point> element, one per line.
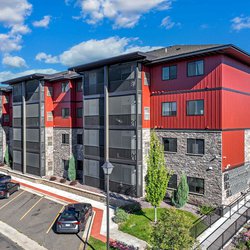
<point>94,151</point>
<point>122,120</point>
<point>94,89</point>
<point>94,120</point>
<point>122,154</point>
<point>122,85</point>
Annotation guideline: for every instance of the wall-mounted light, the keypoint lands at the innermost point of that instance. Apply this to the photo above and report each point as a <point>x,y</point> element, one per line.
<point>228,166</point>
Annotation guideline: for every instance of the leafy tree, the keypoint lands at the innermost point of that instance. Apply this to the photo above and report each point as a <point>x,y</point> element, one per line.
<point>6,156</point>
<point>180,197</point>
<point>72,169</point>
<point>157,174</point>
<point>172,232</point>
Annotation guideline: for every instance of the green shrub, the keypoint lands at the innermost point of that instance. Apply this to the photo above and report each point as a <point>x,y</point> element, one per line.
<point>120,216</point>
<point>72,169</point>
<point>180,196</point>
<point>205,209</point>
<point>248,244</point>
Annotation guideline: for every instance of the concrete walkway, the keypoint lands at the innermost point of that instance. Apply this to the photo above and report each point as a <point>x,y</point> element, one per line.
<point>99,226</point>
<point>212,233</point>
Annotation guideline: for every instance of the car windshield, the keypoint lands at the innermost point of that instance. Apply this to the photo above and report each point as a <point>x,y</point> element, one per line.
<point>2,187</point>
<point>69,215</point>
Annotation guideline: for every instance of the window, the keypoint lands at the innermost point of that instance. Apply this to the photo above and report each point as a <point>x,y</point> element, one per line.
<point>65,112</point>
<point>172,183</point>
<point>65,138</point>
<point>169,109</point>
<point>195,107</point>
<point>79,165</point>
<point>6,118</point>
<point>147,79</point>
<point>65,164</point>
<point>50,91</point>
<point>169,73</point>
<point>7,99</point>
<point>195,146</point>
<point>50,140</point>
<point>79,86</point>
<point>196,185</point>
<point>196,68</point>
<point>79,112</point>
<point>79,139</point>
<point>65,87</point>
<point>49,116</point>
<point>170,144</point>
<point>146,113</point>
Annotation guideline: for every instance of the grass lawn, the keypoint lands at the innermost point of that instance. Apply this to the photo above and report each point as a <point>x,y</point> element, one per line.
<point>95,244</point>
<point>139,224</point>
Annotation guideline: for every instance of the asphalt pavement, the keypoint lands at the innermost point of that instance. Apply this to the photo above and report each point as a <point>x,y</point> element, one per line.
<point>7,244</point>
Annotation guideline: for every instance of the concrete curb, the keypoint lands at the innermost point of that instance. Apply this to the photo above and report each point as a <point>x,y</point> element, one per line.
<point>19,238</point>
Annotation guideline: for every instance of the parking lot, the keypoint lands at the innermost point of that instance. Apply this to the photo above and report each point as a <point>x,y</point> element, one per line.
<point>35,215</point>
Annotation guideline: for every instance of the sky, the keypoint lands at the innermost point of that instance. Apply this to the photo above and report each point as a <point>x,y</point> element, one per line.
<point>48,36</point>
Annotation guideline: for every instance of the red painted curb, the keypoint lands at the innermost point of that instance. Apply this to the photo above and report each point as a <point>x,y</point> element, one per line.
<point>95,232</point>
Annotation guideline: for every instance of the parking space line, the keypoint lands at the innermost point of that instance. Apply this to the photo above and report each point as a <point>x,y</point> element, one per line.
<point>11,200</point>
<point>51,225</point>
<point>31,208</point>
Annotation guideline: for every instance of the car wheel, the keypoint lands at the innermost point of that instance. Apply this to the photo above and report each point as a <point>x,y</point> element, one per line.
<point>7,195</point>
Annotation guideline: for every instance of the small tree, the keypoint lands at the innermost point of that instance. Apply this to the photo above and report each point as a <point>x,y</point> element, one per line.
<point>172,232</point>
<point>72,169</point>
<point>157,174</point>
<point>6,156</point>
<point>180,196</point>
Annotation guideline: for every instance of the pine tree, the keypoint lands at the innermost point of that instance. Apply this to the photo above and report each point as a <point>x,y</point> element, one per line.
<point>72,169</point>
<point>180,197</point>
<point>158,175</point>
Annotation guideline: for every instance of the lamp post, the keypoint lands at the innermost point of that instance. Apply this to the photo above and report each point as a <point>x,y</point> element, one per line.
<point>107,168</point>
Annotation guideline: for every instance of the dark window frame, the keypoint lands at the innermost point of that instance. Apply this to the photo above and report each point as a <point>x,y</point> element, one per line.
<point>79,141</point>
<point>171,109</point>
<point>195,61</point>
<point>187,110</point>
<point>175,181</point>
<point>65,139</point>
<point>77,112</point>
<point>196,139</point>
<point>64,87</point>
<point>171,77</point>
<point>79,89</point>
<point>169,138</point>
<point>67,115</point>
<point>195,186</point>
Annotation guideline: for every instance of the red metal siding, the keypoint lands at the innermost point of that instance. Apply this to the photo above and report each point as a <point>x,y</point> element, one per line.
<point>48,103</point>
<point>211,78</point>
<point>210,120</point>
<point>232,149</point>
<point>6,108</point>
<point>145,98</point>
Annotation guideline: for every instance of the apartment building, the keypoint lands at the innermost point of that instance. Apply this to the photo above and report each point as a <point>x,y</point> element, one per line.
<point>195,97</point>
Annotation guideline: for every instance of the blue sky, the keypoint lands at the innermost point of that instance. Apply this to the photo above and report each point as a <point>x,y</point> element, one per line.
<point>51,35</point>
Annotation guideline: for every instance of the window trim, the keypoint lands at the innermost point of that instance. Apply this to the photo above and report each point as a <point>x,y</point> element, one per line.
<point>64,141</point>
<point>67,86</point>
<point>81,116</point>
<point>174,65</point>
<point>204,147</point>
<point>77,139</point>
<point>171,111</point>
<point>65,117</point>
<point>195,193</point>
<point>193,62</point>
<point>170,152</point>
<point>195,114</point>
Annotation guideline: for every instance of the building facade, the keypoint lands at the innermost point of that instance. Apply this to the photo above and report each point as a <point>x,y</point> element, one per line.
<point>195,98</point>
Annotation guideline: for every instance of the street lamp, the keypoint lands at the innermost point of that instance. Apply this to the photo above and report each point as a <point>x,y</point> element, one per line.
<point>107,168</point>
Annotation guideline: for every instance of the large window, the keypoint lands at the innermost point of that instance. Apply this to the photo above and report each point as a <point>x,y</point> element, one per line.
<point>169,73</point>
<point>169,109</point>
<point>91,168</point>
<point>65,87</point>
<point>79,112</point>
<point>79,139</point>
<point>196,185</point>
<point>65,138</point>
<point>195,146</point>
<point>65,112</point>
<point>170,144</point>
<point>173,181</point>
<point>196,68</point>
<point>195,107</point>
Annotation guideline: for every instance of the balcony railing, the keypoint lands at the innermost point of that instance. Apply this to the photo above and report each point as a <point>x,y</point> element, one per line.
<point>94,89</point>
<point>122,154</point>
<point>94,151</point>
<point>122,120</point>
<point>122,85</point>
<point>94,120</point>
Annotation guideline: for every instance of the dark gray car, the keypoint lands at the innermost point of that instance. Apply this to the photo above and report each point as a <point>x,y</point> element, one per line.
<point>5,178</point>
<point>8,188</point>
<point>74,218</point>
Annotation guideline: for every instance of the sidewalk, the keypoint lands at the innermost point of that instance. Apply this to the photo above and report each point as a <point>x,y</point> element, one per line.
<point>99,225</point>
<point>212,233</point>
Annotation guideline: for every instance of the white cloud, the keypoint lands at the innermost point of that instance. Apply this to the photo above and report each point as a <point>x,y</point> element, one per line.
<point>125,14</point>
<point>241,22</point>
<point>46,58</point>
<point>8,75</point>
<point>44,23</point>
<point>168,24</point>
<point>12,15</point>
<point>93,50</point>
<point>14,61</point>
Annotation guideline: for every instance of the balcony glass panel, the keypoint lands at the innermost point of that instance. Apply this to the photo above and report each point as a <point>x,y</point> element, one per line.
<point>94,82</point>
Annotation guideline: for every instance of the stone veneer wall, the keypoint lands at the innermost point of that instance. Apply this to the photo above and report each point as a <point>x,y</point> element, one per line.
<point>197,166</point>
<point>247,145</point>
<point>49,159</point>
<point>64,151</point>
<point>145,150</point>
<point>5,140</point>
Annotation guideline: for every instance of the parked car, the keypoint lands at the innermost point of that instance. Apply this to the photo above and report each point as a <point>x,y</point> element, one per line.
<point>74,218</point>
<point>8,188</point>
<point>5,178</point>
